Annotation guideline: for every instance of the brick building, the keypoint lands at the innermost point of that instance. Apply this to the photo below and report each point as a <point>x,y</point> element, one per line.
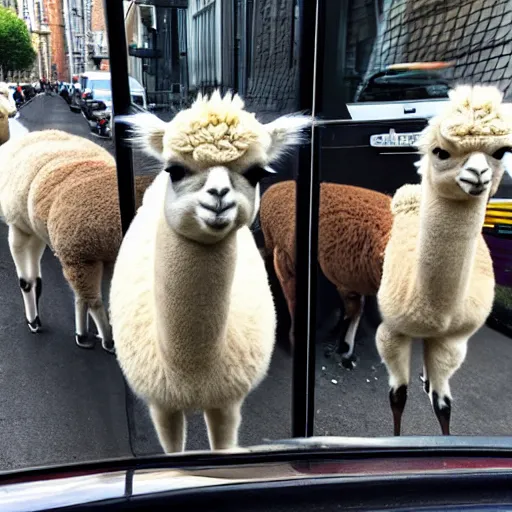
<point>46,27</point>
<point>99,46</point>
<point>59,63</point>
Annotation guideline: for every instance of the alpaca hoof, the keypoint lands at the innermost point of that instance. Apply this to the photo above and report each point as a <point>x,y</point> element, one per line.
<point>349,362</point>
<point>83,341</point>
<point>342,347</point>
<point>426,384</point>
<point>108,346</point>
<point>35,325</point>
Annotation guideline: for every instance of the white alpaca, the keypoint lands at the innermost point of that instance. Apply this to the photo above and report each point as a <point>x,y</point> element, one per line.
<point>7,109</point>
<point>4,120</point>
<point>438,281</point>
<point>7,94</point>
<point>191,308</point>
<point>10,128</point>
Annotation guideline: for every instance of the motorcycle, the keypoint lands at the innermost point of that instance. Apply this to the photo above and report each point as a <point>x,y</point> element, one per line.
<point>101,116</point>
<point>102,125</point>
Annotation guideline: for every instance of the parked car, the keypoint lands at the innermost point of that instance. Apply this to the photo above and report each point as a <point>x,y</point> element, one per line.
<point>96,86</point>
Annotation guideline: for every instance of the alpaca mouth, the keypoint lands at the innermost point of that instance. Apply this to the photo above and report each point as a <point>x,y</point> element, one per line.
<point>218,208</point>
<point>217,224</point>
<point>475,188</point>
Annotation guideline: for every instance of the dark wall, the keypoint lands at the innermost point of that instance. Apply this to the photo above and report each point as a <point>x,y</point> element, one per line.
<point>272,84</point>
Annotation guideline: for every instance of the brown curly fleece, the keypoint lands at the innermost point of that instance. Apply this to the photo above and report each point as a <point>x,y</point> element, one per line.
<point>61,189</point>
<point>77,194</point>
<point>354,227</point>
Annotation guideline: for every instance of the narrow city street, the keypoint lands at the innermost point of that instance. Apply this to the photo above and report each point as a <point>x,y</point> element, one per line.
<point>59,403</point>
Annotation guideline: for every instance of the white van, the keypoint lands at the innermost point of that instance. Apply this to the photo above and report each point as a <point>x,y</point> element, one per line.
<point>96,85</point>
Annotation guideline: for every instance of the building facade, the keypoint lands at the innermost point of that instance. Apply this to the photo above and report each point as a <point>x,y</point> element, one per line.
<point>98,45</point>
<point>58,57</point>
<point>45,23</point>
<point>76,21</point>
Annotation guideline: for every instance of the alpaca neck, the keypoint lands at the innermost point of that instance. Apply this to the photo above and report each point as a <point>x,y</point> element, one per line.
<point>448,239</point>
<point>192,293</point>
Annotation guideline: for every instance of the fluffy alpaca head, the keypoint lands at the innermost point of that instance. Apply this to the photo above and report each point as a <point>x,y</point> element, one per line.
<point>7,103</point>
<point>216,153</point>
<point>463,147</point>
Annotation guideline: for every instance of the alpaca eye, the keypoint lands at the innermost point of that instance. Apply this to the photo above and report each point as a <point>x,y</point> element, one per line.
<point>177,172</point>
<point>501,152</point>
<point>441,153</point>
<point>255,174</point>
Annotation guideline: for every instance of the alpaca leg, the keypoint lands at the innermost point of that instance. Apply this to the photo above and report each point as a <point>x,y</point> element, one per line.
<point>424,375</point>
<point>26,251</point>
<point>395,351</point>
<point>82,324</point>
<point>443,358</point>
<point>170,427</point>
<point>354,305</point>
<point>99,315</point>
<point>85,279</point>
<point>286,277</point>
<point>223,425</point>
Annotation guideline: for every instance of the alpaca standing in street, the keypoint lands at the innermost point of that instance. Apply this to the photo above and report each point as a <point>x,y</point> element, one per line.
<point>4,120</point>
<point>191,307</point>
<point>437,281</point>
<point>7,110</point>
<point>354,225</point>
<point>11,104</point>
<point>60,190</point>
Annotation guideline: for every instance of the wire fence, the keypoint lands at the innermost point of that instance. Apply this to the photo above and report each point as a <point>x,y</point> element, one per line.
<point>475,34</point>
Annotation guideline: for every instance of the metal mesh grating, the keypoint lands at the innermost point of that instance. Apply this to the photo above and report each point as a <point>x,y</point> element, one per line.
<point>474,33</point>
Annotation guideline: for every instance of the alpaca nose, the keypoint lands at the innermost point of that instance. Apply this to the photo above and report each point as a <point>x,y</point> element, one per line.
<point>477,172</point>
<point>477,165</point>
<point>215,192</point>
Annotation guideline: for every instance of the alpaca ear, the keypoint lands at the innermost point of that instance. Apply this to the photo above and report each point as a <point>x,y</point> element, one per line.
<point>285,132</point>
<point>146,133</point>
<point>507,163</point>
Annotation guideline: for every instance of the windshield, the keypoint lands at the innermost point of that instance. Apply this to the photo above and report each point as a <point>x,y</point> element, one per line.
<point>99,94</point>
<point>181,310</point>
<point>407,84</point>
<point>102,89</point>
<point>98,84</point>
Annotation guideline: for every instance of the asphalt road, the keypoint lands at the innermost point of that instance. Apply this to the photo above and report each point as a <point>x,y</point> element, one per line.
<point>61,404</point>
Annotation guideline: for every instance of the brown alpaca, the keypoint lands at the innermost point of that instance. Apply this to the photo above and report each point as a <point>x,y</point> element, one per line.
<point>354,225</point>
<point>60,190</point>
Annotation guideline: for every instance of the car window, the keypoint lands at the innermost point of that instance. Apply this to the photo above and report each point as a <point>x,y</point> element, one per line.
<point>100,84</point>
<point>64,397</point>
<point>101,94</point>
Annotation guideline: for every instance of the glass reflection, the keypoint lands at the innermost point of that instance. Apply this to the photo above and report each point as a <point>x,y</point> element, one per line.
<point>75,402</point>
<point>381,78</point>
<point>388,66</point>
<point>252,48</point>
